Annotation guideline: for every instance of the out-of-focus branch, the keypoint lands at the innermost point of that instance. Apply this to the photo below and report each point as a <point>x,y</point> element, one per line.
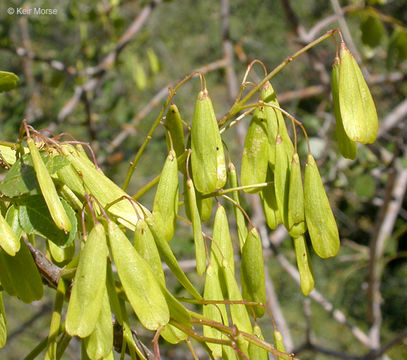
<point>315,295</point>
<point>392,119</point>
<point>397,186</point>
<point>107,63</point>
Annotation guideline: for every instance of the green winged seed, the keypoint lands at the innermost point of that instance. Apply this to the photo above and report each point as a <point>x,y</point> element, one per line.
<point>320,220</point>
<point>145,246</point>
<point>204,206</point>
<point>139,282</point>
<point>252,272</point>
<point>278,343</point>
<point>255,152</point>
<point>48,190</point>
<point>281,179</point>
<point>222,246</point>
<point>256,352</point>
<point>304,265</point>
<point>168,256</point>
<point>296,216</point>
<point>346,146</point>
<point>269,202</point>
<point>104,189</point>
<point>8,239</point>
<point>238,312</point>
<point>356,104</point>
<point>19,275</point>
<point>240,220</point>
<point>275,122</point>
<point>165,208</point>
<point>200,252</point>
<point>207,150</point>
<point>213,291</point>
<point>3,323</point>
<point>89,285</point>
<point>100,343</point>
<point>173,123</point>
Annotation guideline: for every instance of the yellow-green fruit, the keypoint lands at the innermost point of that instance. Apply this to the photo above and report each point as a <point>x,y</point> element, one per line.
<point>296,216</point>
<point>278,343</point>
<point>304,265</point>
<point>89,285</point>
<point>356,104</point>
<point>207,157</point>
<point>222,246</point>
<point>256,352</point>
<point>200,252</point>
<point>48,190</point>
<point>8,240</point>
<point>255,152</point>
<point>139,283</point>
<point>269,202</point>
<point>3,323</point>
<point>173,123</point>
<point>252,272</point>
<point>281,179</point>
<point>100,343</point>
<point>145,246</point>
<point>165,208</point>
<point>275,122</point>
<point>215,312</point>
<point>240,220</point>
<point>346,146</point>
<point>320,220</point>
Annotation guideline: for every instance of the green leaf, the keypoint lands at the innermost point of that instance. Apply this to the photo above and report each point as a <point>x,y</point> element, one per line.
<point>21,178</point>
<point>397,48</point>
<point>8,81</point>
<point>365,186</point>
<point>372,30</point>
<point>35,219</point>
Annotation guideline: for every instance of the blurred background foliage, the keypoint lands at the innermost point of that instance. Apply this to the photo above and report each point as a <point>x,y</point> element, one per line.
<point>68,84</point>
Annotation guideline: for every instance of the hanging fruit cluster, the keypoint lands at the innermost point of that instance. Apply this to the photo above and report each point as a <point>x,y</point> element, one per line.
<point>52,185</point>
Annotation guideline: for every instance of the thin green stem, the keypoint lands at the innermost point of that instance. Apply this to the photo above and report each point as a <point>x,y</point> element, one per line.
<point>153,128</point>
<point>243,187</point>
<point>237,106</point>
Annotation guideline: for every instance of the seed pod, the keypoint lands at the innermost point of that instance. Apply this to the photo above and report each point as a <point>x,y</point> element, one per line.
<point>213,291</point>
<point>357,107</point>
<point>153,61</point>
<point>3,323</point>
<point>220,164</point>
<point>204,206</point>
<point>296,216</point>
<point>19,275</point>
<point>100,186</point>
<point>168,256</point>
<point>281,179</point>
<point>278,343</point>
<point>222,248</point>
<point>240,221</point>
<point>173,123</point>
<point>139,283</point>
<point>238,312</point>
<point>145,246</point>
<point>165,207</point>
<point>8,239</point>
<point>256,352</point>
<point>89,285</point>
<point>269,202</point>
<point>346,146</point>
<point>61,255</point>
<point>207,150</point>
<point>112,293</point>
<point>318,214</point>
<point>48,190</point>
<point>67,175</point>
<point>100,343</point>
<point>200,253</point>
<point>304,265</point>
<point>252,272</point>
<point>275,122</point>
<point>255,152</point>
